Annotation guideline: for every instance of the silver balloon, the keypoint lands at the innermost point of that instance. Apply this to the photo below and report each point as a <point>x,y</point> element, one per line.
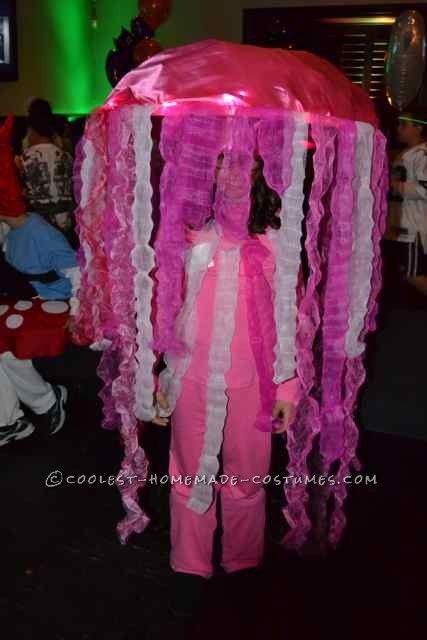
<point>405,59</point>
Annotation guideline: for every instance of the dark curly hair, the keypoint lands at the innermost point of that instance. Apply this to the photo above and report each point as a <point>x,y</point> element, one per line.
<point>265,203</point>
<point>40,118</point>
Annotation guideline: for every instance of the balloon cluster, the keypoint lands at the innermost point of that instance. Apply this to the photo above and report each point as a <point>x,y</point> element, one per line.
<point>134,47</point>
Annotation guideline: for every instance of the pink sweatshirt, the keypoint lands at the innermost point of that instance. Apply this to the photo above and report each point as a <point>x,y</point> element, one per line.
<point>243,372</point>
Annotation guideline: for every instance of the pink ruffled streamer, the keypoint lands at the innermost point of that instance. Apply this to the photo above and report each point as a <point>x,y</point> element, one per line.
<point>336,301</point>
<point>108,372</point>
<point>355,370</point>
<point>90,189</point>
<point>91,172</point>
<point>190,147</point>
<point>274,141</point>
<point>307,424</point>
<point>262,330</point>
<point>119,239</point>
<point>232,199</point>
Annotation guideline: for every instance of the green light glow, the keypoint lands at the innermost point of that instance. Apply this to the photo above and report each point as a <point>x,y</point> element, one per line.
<point>70,32</point>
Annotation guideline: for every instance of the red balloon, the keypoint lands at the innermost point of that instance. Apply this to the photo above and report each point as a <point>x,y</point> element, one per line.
<point>154,12</point>
<point>145,49</point>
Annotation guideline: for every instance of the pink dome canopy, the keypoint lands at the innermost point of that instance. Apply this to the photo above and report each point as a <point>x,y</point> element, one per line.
<point>223,76</point>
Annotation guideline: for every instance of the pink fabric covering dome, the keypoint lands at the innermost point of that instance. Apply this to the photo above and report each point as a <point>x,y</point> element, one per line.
<point>223,76</point>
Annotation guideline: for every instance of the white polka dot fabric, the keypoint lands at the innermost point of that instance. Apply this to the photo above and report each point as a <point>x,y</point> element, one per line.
<point>14,321</point>
<point>55,306</point>
<point>23,305</point>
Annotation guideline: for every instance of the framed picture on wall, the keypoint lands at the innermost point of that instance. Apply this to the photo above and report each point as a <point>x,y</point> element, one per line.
<point>8,41</point>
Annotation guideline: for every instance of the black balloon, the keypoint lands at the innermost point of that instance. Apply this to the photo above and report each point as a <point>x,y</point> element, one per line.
<point>117,65</point>
<point>141,29</point>
<point>120,62</point>
<point>125,40</point>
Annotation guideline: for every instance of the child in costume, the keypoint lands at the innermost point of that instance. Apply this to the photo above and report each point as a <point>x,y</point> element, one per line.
<point>245,449</point>
<point>37,259</point>
<point>233,338</point>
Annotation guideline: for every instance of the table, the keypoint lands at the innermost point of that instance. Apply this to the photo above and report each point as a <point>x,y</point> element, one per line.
<point>33,328</point>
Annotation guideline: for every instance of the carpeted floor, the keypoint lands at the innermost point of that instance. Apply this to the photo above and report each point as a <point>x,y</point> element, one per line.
<point>64,575</point>
<point>394,400</point>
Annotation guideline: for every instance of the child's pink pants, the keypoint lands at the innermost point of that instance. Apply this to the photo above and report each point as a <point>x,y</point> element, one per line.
<point>245,451</point>
<point>245,454</point>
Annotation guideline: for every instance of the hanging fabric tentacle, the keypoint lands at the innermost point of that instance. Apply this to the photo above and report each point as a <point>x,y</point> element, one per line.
<point>143,262</point>
<point>288,254</point>
<point>361,266</point>
<point>120,241</point>
<point>261,328</point>
<point>171,377</point>
<point>91,171</point>
<point>336,296</point>
<point>307,423</point>
<point>190,147</point>
<point>219,363</point>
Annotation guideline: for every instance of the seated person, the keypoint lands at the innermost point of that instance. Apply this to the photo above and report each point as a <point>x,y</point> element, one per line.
<point>47,170</point>
<point>37,254</point>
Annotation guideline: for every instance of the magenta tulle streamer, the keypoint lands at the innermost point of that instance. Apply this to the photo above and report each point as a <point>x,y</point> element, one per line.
<point>355,370</point>
<point>308,422</point>
<point>95,318</point>
<point>262,330</point>
<point>235,114</point>
<point>336,299</point>
<point>273,136</point>
<point>335,324</point>
<point>91,184</point>
<point>190,147</point>
<point>119,239</point>
<point>232,198</point>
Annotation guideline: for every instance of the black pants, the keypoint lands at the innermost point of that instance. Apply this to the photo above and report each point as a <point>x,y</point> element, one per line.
<point>13,283</point>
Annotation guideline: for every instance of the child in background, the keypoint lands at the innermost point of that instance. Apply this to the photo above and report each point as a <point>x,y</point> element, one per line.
<point>407,224</point>
<point>46,169</point>
<point>37,254</point>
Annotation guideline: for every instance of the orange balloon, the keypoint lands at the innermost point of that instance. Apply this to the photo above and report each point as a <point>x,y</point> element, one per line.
<point>145,49</point>
<point>154,12</point>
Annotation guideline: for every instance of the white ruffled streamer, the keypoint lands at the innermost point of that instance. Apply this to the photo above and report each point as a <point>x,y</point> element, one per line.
<point>143,261</point>
<point>287,245</point>
<point>219,363</point>
<point>363,250</point>
<point>198,259</point>
<point>86,172</point>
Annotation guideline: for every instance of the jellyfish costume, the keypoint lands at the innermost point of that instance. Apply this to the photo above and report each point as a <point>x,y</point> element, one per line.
<point>221,304</point>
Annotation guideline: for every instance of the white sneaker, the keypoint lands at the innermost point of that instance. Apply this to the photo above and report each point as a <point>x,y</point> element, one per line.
<point>21,429</point>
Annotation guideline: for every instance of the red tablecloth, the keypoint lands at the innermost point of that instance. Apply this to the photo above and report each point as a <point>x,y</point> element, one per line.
<point>33,328</point>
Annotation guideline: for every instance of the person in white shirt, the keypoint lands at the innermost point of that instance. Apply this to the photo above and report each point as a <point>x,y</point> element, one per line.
<point>46,169</point>
<point>39,255</point>
<point>407,223</point>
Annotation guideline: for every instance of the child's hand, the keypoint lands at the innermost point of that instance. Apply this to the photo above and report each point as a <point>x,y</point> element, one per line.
<point>163,404</point>
<point>283,412</point>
